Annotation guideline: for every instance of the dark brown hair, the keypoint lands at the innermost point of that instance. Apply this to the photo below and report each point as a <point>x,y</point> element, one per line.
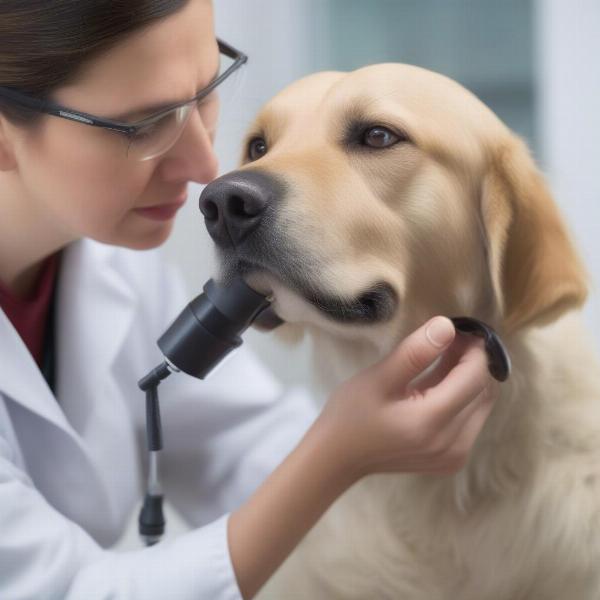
<point>45,44</point>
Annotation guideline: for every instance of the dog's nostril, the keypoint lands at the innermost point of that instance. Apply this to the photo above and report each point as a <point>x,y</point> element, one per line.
<point>244,207</point>
<point>237,207</point>
<point>234,205</point>
<point>210,210</point>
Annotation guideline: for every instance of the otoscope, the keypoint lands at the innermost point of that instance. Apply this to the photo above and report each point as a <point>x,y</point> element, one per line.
<point>206,331</point>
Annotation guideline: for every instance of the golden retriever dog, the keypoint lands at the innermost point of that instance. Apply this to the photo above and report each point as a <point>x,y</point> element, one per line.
<point>368,202</point>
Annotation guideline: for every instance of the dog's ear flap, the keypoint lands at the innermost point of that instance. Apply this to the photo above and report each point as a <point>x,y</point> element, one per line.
<point>535,270</point>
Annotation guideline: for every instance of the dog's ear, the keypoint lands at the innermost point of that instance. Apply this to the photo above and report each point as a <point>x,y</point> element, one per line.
<point>535,270</point>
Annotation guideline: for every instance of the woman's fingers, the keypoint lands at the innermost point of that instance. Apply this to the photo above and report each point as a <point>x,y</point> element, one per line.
<point>467,424</point>
<point>449,449</point>
<point>446,363</point>
<point>462,385</point>
<point>469,430</point>
<point>415,353</point>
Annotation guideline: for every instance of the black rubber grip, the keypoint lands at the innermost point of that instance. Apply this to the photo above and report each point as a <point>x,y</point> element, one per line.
<point>151,520</point>
<point>499,364</point>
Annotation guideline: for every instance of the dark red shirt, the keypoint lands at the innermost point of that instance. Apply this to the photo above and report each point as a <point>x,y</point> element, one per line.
<point>29,316</point>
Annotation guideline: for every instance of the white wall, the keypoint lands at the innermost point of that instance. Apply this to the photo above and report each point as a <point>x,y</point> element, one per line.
<point>568,54</point>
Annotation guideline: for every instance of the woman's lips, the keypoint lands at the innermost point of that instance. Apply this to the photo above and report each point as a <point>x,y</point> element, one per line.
<point>162,212</point>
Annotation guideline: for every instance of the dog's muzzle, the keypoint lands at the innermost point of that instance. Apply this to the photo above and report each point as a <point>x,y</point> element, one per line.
<point>240,212</point>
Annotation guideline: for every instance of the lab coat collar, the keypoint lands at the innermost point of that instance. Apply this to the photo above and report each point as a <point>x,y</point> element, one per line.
<point>95,308</point>
<point>22,381</point>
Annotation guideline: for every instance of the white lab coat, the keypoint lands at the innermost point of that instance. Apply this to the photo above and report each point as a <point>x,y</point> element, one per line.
<point>71,467</point>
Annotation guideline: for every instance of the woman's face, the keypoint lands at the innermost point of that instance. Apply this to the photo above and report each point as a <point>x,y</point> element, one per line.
<point>79,178</point>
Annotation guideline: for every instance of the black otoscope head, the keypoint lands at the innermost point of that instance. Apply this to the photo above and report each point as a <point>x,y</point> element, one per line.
<point>210,326</point>
<point>207,329</point>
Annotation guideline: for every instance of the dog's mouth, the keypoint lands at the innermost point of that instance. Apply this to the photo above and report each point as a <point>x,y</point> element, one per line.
<point>375,304</point>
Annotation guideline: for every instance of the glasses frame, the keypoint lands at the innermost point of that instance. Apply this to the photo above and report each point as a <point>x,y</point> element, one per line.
<point>130,129</point>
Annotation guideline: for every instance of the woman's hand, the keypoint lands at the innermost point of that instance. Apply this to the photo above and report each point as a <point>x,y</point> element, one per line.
<point>396,416</point>
<point>391,417</point>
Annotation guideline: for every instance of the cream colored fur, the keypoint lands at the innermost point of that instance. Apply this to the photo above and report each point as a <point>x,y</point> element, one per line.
<point>459,222</point>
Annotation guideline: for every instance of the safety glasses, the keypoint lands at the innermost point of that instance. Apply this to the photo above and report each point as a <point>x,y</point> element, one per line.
<point>156,133</point>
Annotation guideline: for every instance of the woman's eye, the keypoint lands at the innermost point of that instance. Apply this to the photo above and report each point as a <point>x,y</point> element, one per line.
<point>380,137</point>
<point>156,128</point>
<point>257,148</point>
<point>144,132</point>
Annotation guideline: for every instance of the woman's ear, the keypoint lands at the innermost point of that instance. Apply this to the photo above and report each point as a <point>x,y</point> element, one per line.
<point>7,157</point>
<point>536,272</point>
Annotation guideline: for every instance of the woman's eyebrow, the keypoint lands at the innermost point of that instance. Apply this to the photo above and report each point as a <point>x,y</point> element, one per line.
<point>149,109</point>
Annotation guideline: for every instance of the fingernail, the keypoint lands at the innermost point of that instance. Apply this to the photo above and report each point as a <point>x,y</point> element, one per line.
<point>440,331</point>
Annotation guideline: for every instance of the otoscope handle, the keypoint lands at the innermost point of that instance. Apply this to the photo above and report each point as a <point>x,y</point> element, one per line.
<point>207,329</point>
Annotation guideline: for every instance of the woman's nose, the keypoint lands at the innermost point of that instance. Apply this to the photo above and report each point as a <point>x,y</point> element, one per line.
<point>192,157</point>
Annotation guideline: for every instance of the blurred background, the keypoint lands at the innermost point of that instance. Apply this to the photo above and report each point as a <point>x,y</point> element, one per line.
<point>534,62</point>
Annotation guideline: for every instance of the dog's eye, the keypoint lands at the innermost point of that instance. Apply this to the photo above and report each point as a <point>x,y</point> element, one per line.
<point>379,137</point>
<point>257,147</point>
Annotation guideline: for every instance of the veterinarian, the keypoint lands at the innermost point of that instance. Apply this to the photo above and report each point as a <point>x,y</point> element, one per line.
<point>82,307</point>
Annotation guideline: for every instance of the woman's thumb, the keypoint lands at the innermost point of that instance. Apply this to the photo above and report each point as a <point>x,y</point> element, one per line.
<point>416,352</point>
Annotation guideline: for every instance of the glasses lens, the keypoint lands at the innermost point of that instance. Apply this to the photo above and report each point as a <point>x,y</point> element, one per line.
<point>160,135</point>
<point>223,100</point>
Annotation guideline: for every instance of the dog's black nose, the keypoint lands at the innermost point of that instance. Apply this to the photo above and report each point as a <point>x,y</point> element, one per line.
<point>234,205</point>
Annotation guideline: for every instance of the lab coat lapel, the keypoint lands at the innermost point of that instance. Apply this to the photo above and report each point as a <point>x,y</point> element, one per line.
<point>22,381</point>
<point>97,309</point>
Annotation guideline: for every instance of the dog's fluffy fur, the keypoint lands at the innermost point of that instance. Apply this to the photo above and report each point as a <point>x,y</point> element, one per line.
<point>456,219</point>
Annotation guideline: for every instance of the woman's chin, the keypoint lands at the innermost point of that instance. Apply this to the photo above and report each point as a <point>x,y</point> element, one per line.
<point>140,240</point>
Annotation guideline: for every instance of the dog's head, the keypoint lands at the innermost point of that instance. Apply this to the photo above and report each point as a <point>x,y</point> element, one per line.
<point>369,201</point>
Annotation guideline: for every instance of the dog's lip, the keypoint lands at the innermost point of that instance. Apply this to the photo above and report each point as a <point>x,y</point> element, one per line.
<point>267,319</point>
<point>375,303</point>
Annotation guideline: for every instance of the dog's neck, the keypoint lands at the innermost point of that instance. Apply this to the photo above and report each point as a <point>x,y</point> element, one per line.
<point>546,362</point>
